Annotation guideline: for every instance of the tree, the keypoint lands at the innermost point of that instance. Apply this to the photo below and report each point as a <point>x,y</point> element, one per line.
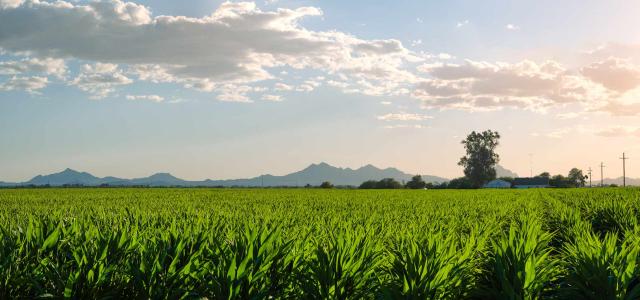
<point>577,177</point>
<point>369,184</point>
<point>479,163</point>
<point>544,175</point>
<point>326,185</point>
<point>416,183</point>
<point>389,183</point>
<point>559,181</point>
<point>460,183</point>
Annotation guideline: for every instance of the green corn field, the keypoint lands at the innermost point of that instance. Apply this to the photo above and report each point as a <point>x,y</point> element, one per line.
<point>319,244</point>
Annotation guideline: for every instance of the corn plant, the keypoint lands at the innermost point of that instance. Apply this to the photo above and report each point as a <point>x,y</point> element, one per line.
<point>602,268</point>
<point>318,244</point>
<point>343,268</point>
<point>436,268</point>
<point>521,265</point>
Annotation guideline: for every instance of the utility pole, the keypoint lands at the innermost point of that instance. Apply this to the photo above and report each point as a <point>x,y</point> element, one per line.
<point>624,175</point>
<point>590,177</point>
<point>601,177</point>
<point>530,165</point>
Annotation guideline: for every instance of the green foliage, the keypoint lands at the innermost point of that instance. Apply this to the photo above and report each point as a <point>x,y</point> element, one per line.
<point>522,267</point>
<point>386,183</point>
<point>314,244</point>
<point>326,185</point>
<point>460,183</point>
<point>344,267</point>
<point>436,268</point>
<point>481,158</point>
<point>416,182</point>
<point>602,268</point>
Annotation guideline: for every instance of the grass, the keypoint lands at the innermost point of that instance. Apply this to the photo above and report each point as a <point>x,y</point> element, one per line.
<point>319,244</point>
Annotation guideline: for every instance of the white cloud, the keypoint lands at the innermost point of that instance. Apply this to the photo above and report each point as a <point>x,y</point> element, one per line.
<point>279,86</point>
<point>48,66</point>
<point>100,79</point>
<point>462,23</point>
<point>153,98</point>
<point>405,126</point>
<point>29,84</point>
<point>4,4</point>
<point>403,117</point>
<point>489,86</point>
<point>234,93</point>
<point>274,98</point>
<point>512,27</point>
<point>419,20</point>
<point>385,102</point>
<point>237,44</point>
<point>615,74</point>
<point>445,56</point>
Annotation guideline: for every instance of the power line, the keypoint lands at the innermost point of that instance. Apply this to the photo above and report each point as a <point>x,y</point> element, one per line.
<point>624,175</point>
<point>601,172</point>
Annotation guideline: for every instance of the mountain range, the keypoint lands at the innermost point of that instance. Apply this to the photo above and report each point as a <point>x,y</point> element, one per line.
<point>314,174</point>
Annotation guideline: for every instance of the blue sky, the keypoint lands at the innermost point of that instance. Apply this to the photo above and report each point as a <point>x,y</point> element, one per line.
<point>214,89</point>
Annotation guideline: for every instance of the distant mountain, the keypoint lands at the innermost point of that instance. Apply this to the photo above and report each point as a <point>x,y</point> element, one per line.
<point>67,176</point>
<point>502,172</point>
<point>618,181</point>
<point>313,175</point>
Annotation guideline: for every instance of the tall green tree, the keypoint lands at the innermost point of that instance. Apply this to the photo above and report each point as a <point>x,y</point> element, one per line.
<point>479,163</point>
<point>577,177</point>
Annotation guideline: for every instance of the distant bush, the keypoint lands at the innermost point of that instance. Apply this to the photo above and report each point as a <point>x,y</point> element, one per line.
<point>387,183</point>
<point>416,183</point>
<point>460,183</point>
<point>326,185</point>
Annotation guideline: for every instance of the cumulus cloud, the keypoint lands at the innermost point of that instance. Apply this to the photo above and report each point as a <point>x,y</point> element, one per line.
<point>100,79</point>
<point>237,44</point>
<point>29,84</point>
<point>404,126</point>
<point>48,66</point>
<point>153,98</point>
<point>274,98</point>
<point>462,23</point>
<point>279,86</point>
<point>481,85</point>
<point>615,74</point>
<point>403,117</point>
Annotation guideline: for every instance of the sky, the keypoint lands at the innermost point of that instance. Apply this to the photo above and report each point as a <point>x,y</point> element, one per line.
<point>213,89</point>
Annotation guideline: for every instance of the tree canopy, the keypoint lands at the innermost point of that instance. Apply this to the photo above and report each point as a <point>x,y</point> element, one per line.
<point>416,183</point>
<point>387,183</point>
<point>481,158</point>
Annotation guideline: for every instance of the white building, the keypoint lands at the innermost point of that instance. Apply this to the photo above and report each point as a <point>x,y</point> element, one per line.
<point>497,184</point>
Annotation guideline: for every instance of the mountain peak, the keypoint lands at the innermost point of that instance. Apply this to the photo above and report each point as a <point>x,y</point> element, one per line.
<point>368,167</point>
<point>163,176</point>
<point>321,165</point>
